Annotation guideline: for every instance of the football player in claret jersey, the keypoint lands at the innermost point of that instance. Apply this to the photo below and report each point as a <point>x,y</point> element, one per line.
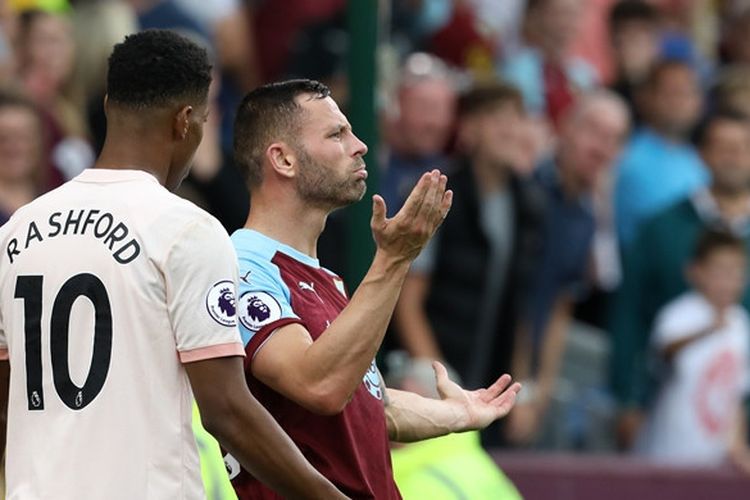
<point>310,349</point>
<point>116,297</point>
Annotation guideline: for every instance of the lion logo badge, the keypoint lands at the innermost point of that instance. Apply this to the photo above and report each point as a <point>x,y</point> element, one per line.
<point>220,303</point>
<point>257,309</point>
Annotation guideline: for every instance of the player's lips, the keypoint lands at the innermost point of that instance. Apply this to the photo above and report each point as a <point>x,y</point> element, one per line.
<point>361,173</point>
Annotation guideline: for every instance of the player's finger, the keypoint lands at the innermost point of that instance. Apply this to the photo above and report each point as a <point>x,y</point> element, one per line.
<point>498,387</point>
<point>427,208</point>
<point>446,203</point>
<point>504,403</point>
<point>378,211</point>
<point>514,389</point>
<point>432,209</point>
<point>416,197</point>
<point>437,215</point>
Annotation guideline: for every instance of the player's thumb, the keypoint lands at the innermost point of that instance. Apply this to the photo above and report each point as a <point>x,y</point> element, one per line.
<point>378,211</point>
<point>441,378</point>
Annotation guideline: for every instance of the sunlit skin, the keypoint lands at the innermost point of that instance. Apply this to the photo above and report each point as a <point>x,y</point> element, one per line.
<point>331,169</point>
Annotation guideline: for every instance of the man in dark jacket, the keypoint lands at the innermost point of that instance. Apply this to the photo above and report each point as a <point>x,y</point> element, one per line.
<point>460,300</point>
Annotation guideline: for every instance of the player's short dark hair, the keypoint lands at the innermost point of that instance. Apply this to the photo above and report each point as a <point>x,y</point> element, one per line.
<point>157,68</point>
<point>702,133</point>
<point>267,114</point>
<point>712,240</point>
<point>626,11</point>
<point>488,95</point>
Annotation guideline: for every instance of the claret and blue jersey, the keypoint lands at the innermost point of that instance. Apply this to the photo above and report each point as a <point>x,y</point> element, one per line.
<point>278,286</point>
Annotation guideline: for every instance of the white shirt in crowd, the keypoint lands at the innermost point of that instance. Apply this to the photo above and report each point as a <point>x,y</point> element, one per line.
<point>692,421</point>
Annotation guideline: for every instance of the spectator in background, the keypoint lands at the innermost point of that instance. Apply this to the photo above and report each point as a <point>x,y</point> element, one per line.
<point>634,32</point>
<point>463,42</point>
<point>736,42</point>
<point>732,90</point>
<point>591,137</point>
<point>654,263</point>
<point>702,338</point>
<point>97,27</point>
<point>659,165</point>
<point>413,23</point>
<point>460,299</point>
<point>274,26</point>
<point>447,467</point>
<point>214,182</point>
<point>543,68</point>
<point>21,150</point>
<point>592,41</point>
<point>228,24</point>
<point>8,35</point>
<point>418,131</point>
<point>46,55</point>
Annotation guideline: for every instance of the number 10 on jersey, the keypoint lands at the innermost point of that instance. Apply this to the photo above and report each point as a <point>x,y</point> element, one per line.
<point>29,289</point>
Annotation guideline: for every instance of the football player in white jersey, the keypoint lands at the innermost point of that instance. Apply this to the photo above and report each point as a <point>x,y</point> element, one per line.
<point>117,297</point>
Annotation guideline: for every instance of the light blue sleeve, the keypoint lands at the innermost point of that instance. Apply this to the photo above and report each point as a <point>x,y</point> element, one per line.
<point>264,299</point>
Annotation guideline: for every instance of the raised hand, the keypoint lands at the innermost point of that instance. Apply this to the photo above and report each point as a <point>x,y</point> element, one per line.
<point>405,234</point>
<point>481,407</point>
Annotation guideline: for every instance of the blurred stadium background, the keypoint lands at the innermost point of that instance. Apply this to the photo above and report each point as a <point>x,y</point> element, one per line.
<point>580,320</point>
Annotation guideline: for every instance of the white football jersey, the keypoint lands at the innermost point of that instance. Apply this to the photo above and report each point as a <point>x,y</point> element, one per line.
<point>107,285</point>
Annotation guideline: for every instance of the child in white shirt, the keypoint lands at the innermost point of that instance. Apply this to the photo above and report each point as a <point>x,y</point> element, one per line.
<point>703,338</point>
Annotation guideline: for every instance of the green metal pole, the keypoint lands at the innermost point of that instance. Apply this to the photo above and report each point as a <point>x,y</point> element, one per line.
<point>362,21</point>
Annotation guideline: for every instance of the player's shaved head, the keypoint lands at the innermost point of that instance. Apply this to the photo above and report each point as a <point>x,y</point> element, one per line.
<point>157,69</point>
<point>267,114</point>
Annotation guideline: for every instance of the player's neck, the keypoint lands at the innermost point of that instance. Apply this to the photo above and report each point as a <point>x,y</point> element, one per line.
<point>130,153</point>
<point>291,223</point>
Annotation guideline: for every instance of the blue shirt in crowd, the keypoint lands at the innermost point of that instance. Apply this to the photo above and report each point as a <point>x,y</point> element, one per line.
<point>568,231</point>
<point>653,174</point>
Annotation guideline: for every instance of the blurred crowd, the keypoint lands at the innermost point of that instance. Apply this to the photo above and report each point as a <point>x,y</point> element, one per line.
<point>599,154</point>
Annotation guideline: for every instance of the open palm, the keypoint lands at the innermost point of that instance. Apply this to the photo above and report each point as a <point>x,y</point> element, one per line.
<point>482,406</point>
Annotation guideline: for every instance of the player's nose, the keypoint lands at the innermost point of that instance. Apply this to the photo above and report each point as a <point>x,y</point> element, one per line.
<point>360,148</point>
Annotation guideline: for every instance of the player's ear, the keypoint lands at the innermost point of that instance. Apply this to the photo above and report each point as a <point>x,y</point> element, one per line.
<point>282,159</point>
<point>181,123</point>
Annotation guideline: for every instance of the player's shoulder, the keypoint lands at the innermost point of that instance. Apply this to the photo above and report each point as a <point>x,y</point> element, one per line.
<point>187,212</point>
<point>254,247</point>
<point>255,252</point>
<point>28,212</point>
